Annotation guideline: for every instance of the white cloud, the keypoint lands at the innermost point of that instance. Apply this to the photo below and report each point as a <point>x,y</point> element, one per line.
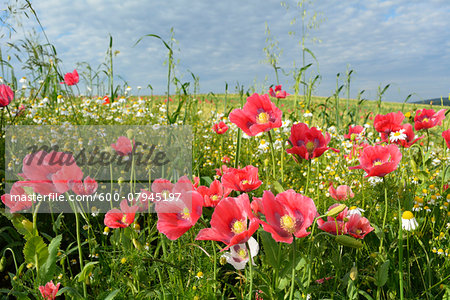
<point>400,42</point>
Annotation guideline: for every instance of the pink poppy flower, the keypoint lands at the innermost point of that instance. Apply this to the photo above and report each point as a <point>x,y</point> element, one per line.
<point>354,132</point>
<point>6,95</point>
<point>446,136</point>
<point>184,214</point>
<point>17,199</point>
<point>50,172</point>
<point>287,214</point>
<point>428,118</point>
<point>232,222</point>
<point>49,291</point>
<point>123,146</point>
<point>358,226</point>
<point>308,143</point>
<point>213,194</point>
<point>258,115</point>
<point>342,192</point>
<point>277,93</point>
<point>88,187</point>
<point>71,78</point>
<point>379,160</point>
<point>122,218</point>
<point>220,128</point>
<point>242,180</point>
<point>334,225</point>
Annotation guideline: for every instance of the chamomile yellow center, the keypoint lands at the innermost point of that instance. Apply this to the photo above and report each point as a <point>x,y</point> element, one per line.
<point>262,118</point>
<point>238,227</point>
<point>287,223</point>
<point>407,215</point>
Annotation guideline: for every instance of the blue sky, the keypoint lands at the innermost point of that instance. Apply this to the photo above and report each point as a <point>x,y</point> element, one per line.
<point>402,43</point>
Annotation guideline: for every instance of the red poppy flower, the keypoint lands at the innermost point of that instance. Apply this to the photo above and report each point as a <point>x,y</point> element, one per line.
<point>358,226</point>
<point>71,78</point>
<point>308,143</point>
<point>408,141</point>
<point>6,95</point>
<point>334,225</point>
<point>277,93</point>
<point>88,187</point>
<point>196,182</point>
<point>49,291</point>
<point>225,159</point>
<point>232,222</point>
<point>357,149</point>
<point>220,128</point>
<point>224,169</point>
<point>242,180</point>
<point>354,132</point>
<point>287,214</point>
<point>213,194</point>
<point>257,206</point>
<point>342,192</point>
<point>379,160</point>
<point>17,199</point>
<point>428,118</point>
<point>123,146</point>
<point>50,172</point>
<point>122,218</point>
<point>389,122</point>
<point>185,213</point>
<point>258,115</point>
<point>446,136</point>
<point>106,100</point>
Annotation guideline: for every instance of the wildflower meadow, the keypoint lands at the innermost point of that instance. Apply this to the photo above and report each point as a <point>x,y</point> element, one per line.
<point>110,192</point>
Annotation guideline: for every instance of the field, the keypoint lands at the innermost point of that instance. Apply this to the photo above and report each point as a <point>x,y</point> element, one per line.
<point>248,194</point>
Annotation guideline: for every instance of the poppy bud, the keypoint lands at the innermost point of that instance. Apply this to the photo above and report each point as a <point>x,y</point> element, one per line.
<point>348,241</point>
<point>336,210</point>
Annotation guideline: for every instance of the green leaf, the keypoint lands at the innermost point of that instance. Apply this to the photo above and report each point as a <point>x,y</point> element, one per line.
<point>278,188</point>
<point>48,268</point>
<point>112,295</point>
<point>382,274</point>
<point>35,251</point>
<point>270,249</point>
<point>86,270</point>
<point>207,180</point>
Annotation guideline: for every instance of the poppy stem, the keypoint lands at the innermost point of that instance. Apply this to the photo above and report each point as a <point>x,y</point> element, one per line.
<point>238,149</point>
<point>400,250</point>
<point>291,293</point>
<point>272,153</point>
<point>385,213</point>
<point>250,291</point>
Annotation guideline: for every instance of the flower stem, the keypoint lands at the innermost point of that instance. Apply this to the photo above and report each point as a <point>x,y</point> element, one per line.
<point>400,250</point>
<point>385,213</point>
<point>238,148</point>
<point>250,291</point>
<point>291,293</point>
<point>272,153</point>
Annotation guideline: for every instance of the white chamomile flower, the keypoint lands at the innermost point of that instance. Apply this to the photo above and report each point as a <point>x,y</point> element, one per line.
<point>397,136</point>
<point>355,211</point>
<point>409,223</point>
